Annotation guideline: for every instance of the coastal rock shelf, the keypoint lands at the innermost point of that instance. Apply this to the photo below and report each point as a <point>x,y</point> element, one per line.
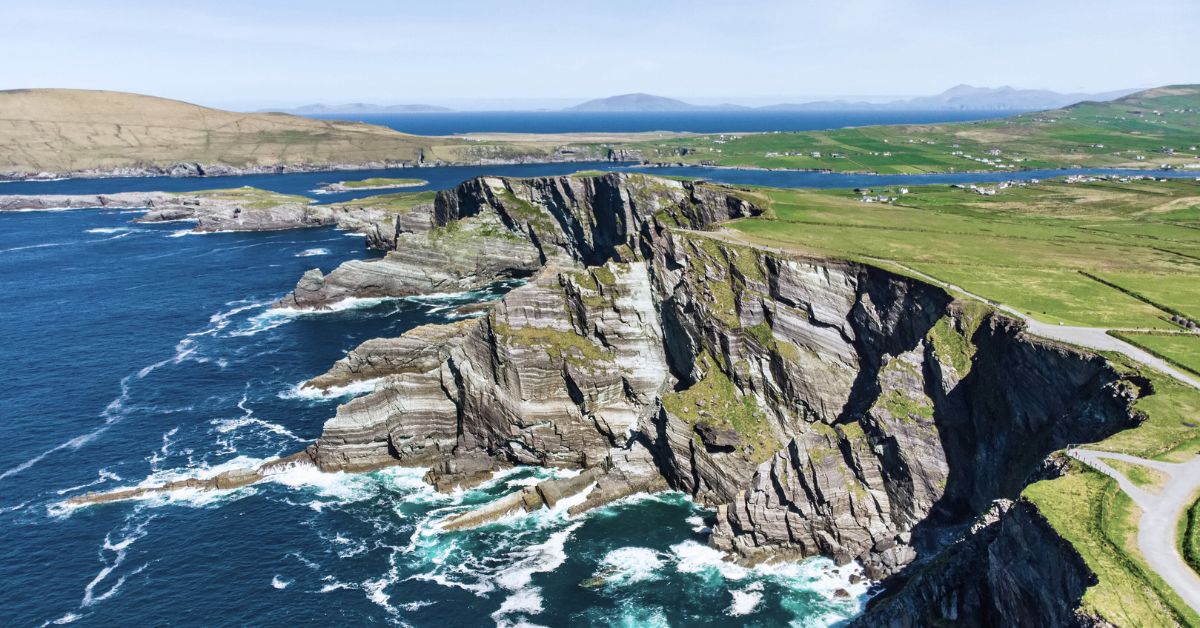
<point>823,407</point>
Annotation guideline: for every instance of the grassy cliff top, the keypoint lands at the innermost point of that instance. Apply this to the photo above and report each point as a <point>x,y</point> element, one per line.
<point>1105,253</point>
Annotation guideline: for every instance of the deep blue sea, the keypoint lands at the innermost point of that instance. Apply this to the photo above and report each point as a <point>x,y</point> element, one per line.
<point>142,353</point>
<point>450,123</point>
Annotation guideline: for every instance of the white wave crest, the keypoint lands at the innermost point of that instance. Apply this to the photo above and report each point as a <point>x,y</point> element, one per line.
<point>628,565</point>
<point>746,601</point>
<point>279,583</point>
<point>360,387</point>
<point>313,252</point>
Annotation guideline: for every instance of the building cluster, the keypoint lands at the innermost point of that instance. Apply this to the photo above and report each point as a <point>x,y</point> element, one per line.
<point>992,190</point>
<point>866,195</point>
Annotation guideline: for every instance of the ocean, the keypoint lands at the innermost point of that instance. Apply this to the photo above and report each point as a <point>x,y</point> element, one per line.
<point>450,123</point>
<point>136,354</point>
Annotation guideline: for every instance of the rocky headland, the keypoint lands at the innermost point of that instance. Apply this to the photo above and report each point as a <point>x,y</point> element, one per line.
<point>822,407</point>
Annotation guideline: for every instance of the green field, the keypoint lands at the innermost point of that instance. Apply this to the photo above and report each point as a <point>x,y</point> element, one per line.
<point>1147,129</point>
<point>398,202</point>
<point>1089,510</point>
<point>251,198</point>
<point>1061,252</point>
<point>1182,350</point>
<point>1190,536</point>
<point>382,182</point>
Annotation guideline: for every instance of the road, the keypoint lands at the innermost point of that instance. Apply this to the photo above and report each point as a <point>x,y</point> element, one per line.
<point>1161,512</point>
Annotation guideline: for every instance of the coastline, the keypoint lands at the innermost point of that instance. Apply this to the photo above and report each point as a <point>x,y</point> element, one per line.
<point>193,170</point>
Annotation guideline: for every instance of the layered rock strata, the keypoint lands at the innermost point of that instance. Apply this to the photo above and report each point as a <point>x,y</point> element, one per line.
<point>822,407</point>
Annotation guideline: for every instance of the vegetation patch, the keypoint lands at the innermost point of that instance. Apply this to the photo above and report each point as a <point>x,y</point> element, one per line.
<point>716,400</point>
<point>382,182</point>
<point>1190,538</point>
<point>399,202</point>
<point>1150,479</point>
<point>1100,521</point>
<point>250,197</point>
<point>566,345</point>
<point>1180,349</point>
<point>951,336</point>
<point>1033,246</point>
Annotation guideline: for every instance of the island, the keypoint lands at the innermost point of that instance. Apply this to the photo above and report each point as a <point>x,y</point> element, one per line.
<point>374,183</point>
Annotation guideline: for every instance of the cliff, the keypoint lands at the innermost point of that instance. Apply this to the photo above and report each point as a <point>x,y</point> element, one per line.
<point>823,407</point>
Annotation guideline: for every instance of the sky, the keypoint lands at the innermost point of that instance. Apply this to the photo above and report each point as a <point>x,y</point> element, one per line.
<point>539,53</point>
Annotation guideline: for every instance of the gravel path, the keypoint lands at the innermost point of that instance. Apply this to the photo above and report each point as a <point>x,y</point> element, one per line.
<point>1162,510</point>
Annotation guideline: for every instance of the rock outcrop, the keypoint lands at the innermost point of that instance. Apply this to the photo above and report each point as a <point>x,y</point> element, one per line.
<point>823,407</point>
<point>243,209</point>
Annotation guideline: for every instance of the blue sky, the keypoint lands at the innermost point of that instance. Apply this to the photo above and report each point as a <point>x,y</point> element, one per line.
<point>473,54</point>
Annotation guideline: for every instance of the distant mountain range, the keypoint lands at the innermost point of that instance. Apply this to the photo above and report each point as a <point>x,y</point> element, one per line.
<point>647,102</point>
<point>961,97</point>
<point>359,107</point>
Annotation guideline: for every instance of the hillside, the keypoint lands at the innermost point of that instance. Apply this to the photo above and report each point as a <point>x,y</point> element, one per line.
<point>69,131</point>
<point>1146,129</point>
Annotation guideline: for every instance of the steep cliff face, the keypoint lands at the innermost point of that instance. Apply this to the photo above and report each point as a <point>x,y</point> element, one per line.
<point>824,407</point>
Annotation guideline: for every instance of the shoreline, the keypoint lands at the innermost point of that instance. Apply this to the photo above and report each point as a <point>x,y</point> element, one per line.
<point>201,171</point>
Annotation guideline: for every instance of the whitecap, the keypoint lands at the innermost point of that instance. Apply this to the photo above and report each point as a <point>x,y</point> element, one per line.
<point>119,550</point>
<point>746,601</point>
<point>107,230</point>
<point>301,391</point>
<point>527,601</point>
<point>279,583</point>
<point>313,252</point>
<point>628,565</point>
<point>35,246</point>
<point>692,557</point>
<point>225,426</point>
<point>104,476</point>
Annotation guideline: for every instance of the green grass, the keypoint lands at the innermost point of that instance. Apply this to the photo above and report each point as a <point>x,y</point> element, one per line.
<point>1190,537</point>
<point>1150,479</point>
<point>1100,521</point>
<point>718,397</point>
<point>566,345</point>
<point>250,197</point>
<point>1180,349</point>
<point>398,202</point>
<point>1171,431</point>
<point>1131,133</point>
<point>381,182</point>
<point>1063,253</point>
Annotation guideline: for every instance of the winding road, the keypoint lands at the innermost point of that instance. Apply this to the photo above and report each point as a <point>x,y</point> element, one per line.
<point>1162,510</point>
